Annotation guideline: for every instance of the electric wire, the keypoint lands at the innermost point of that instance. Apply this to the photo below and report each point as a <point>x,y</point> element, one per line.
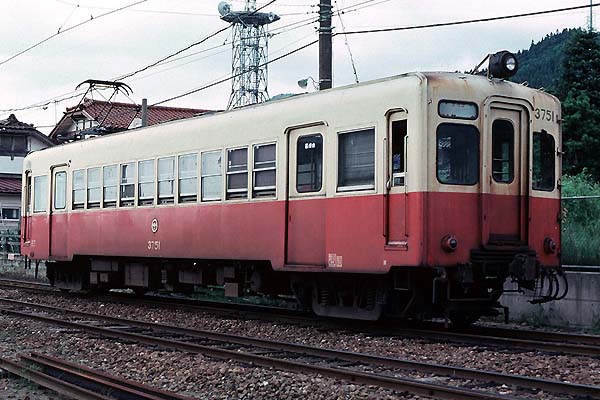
<point>472,21</point>
<point>33,46</point>
<point>347,44</point>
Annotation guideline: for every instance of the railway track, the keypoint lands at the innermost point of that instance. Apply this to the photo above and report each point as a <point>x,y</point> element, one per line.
<point>356,367</point>
<point>525,340</point>
<point>77,381</point>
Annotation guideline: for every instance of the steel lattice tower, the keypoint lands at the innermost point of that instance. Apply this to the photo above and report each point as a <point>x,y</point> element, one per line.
<point>250,55</point>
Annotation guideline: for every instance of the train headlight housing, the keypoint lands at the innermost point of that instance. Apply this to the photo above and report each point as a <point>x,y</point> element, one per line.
<point>449,243</point>
<point>503,64</point>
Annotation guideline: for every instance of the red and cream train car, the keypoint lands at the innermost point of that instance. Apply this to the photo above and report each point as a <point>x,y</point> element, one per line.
<point>417,195</point>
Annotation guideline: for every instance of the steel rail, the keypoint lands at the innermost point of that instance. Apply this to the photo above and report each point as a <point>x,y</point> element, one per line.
<point>49,382</point>
<point>457,372</point>
<point>97,381</point>
<point>367,378</point>
<point>584,345</point>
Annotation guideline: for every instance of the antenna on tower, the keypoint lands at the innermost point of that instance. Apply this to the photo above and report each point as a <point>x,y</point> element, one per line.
<point>250,53</point>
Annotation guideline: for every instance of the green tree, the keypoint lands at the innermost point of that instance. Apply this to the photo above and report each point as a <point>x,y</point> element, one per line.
<point>580,91</point>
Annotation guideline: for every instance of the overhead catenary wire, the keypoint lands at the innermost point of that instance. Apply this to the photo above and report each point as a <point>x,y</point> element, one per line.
<point>60,32</point>
<point>472,21</point>
<point>347,44</point>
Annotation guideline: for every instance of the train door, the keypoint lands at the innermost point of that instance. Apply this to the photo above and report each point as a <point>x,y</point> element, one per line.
<point>58,223</point>
<point>397,200</point>
<point>306,196</point>
<point>504,199</point>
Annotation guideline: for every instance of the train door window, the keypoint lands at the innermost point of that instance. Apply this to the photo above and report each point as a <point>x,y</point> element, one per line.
<point>60,190</point>
<point>78,189</point>
<point>356,160</point>
<point>309,168</point>
<point>399,134</point>
<point>211,176</point>
<point>237,174</point>
<point>503,152</point>
<point>94,187</point>
<point>166,180</point>
<point>127,198</point>
<point>457,154</point>
<point>40,193</point>
<point>188,178</point>
<point>543,161</point>
<point>265,170</point>
<point>111,184</point>
<point>146,183</point>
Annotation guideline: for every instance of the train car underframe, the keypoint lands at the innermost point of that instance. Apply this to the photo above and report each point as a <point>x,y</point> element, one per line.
<point>461,293</point>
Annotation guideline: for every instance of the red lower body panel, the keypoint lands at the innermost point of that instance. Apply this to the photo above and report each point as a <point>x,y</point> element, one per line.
<point>349,234</point>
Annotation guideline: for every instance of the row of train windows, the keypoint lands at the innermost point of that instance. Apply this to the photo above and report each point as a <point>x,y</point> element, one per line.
<point>111,184</point>
<point>108,185</point>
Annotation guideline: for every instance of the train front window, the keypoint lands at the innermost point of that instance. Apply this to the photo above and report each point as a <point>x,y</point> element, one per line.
<point>309,160</point>
<point>457,154</point>
<point>543,161</point>
<point>40,193</point>
<point>503,152</point>
<point>127,184</point>
<point>356,160</point>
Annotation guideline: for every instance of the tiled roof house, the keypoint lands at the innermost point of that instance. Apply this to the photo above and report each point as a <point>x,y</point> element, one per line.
<point>95,118</point>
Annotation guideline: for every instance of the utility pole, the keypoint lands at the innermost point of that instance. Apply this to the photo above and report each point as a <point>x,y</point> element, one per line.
<point>325,45</point>
<point>591,15</point>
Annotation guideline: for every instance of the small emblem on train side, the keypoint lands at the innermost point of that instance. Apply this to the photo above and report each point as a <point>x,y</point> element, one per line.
<point>154,225</point>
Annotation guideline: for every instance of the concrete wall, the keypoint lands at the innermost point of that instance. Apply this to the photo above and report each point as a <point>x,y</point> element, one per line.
<point>581,307</point>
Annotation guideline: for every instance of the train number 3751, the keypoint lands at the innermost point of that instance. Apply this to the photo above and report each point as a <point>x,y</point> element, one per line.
<point>154,245</point>
<point>545,115</point>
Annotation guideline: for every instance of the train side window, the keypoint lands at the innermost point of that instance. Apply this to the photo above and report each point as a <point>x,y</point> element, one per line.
<point>265,170</point>
<point>237,173</point>
<point>544,156</point>
<point>356,160</point>
<point>146,183</point>
<point>399,133</point>
<point>309,168</point>
<point>94,187</point>
<point>127,198</point>
<point>78,189</point>
<point>111,183</point>
<point>166,180</point>
<point>503,152</point>
<point>40,193</point>
<point>188,178</point>
<point>60,190</point>
<point>211,176</point>
<point>457,154</point>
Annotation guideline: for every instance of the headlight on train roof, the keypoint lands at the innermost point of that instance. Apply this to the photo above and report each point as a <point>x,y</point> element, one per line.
<point>503,64</point>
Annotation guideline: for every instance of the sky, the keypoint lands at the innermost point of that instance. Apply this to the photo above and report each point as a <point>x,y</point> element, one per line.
<point>107,47</point>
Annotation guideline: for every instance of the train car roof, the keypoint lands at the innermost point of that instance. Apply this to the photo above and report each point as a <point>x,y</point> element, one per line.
<point>438,78</point>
